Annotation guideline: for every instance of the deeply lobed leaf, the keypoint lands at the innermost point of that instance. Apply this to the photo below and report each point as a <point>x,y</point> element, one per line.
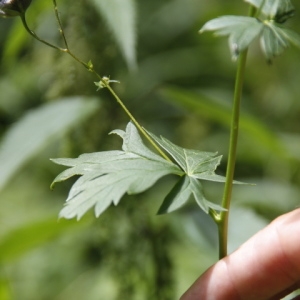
<point>107,176</point>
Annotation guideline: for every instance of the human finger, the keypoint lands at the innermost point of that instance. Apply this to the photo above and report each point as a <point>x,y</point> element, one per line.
<point>266,266</point>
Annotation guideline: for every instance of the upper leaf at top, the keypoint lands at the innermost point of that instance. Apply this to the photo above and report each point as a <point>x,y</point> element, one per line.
<point>278,10</point>
<point>241,30</point>
<point>274,38</point>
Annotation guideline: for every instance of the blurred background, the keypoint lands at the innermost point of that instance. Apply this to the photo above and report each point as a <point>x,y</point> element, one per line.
<point>178,84</point>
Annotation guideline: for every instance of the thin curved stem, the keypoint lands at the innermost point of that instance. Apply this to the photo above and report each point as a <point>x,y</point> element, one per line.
<point>61,31</point>
<point>90,68</point>
<point>146,135</point>
<point>33,34</point>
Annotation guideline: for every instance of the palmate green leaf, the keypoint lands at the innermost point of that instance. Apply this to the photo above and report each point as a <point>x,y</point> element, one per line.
<point>107,176</point>
<point>241,30</point>
<point>39,127</point>
<point>278,10</point>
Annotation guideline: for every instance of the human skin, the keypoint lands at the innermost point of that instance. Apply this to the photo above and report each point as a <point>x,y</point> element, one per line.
<point>266,267</point>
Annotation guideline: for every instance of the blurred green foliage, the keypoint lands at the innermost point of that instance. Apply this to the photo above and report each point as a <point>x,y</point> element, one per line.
<point>182,89</point>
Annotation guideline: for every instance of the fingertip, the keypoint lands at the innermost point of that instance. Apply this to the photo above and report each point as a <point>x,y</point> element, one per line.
<point>266,265</point>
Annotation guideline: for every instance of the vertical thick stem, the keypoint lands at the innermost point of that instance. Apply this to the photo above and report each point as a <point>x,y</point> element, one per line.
<point>223,223</point>
<point>224,215</point>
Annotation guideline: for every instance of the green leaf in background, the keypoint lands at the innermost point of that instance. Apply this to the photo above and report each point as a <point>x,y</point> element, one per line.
<point>241,30</point>
<point>107,176</point>
<point>29,236</point>
<point>5,289</point>
<point>18,38</point>
<point>38,128</point>
<point>275,9</point>
<point>254,129</point>
<point>120,16</point>
<point>15,43</point>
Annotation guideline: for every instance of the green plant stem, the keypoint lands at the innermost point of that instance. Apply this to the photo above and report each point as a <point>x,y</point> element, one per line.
<point>90,68</point>
<point>33,34</point>
<point>223,222</point>
<point>222,219</point>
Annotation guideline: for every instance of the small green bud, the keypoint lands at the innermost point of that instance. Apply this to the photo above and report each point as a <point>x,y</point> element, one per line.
<point>13,8</point>
<point>104,82</point>
<point>90,65</point>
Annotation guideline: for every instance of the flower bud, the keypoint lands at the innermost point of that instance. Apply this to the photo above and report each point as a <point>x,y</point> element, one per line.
<point>12,8</point>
